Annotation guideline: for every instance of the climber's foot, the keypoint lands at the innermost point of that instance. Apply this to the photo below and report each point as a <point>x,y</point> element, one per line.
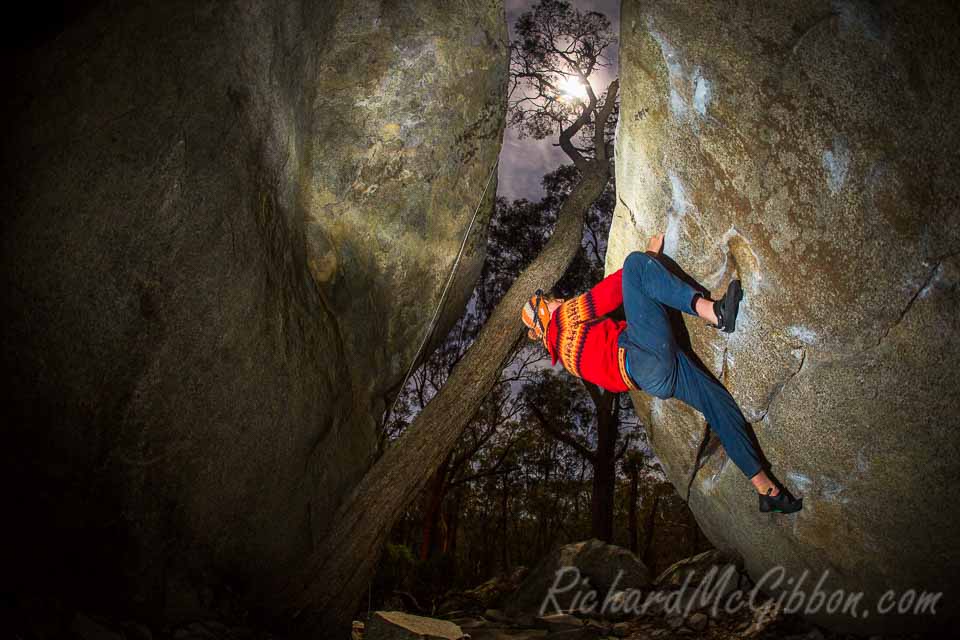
<point>783,502</point>
<point>727,307</point>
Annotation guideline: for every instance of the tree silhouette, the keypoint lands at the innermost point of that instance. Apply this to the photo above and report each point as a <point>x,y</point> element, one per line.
<point>556,54</point>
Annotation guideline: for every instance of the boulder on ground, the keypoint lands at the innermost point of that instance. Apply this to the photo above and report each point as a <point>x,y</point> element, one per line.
<point>564,579</point>
<point>397,625</point>
<point>558,622</point>
<point>698,621</point>
<point>482,597</point>
<point>694,569</point>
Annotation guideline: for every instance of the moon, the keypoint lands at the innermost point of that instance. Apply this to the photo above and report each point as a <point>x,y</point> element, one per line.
<point>572,89</point>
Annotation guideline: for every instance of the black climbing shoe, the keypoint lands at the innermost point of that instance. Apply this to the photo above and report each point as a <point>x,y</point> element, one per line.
<point>727,307</point>
<point>783,502</point>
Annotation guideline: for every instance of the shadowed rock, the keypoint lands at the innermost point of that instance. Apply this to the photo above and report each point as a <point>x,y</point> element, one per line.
<point>227,227</point>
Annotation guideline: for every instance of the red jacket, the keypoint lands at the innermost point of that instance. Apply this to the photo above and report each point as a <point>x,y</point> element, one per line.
<point>585,341</point>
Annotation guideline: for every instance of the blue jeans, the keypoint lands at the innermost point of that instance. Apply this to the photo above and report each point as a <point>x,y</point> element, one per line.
<point>658,367</point>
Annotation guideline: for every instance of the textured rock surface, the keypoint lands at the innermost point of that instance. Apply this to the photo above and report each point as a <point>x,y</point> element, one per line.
<point>694,569</point>
<point>227,226</point>
<point>810,149</point>
<point>598,566</point>
<point>397,625</point>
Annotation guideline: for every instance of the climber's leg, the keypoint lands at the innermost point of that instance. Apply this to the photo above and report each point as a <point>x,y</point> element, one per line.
<point>762,483</point>
<point>648,338</point>
<point>699,390</point>
<point>655,281</point>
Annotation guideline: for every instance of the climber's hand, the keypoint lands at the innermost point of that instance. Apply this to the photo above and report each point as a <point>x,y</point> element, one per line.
<point>656,244</point>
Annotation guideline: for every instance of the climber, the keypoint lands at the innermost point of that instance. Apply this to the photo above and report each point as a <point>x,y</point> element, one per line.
<point>642,352</point>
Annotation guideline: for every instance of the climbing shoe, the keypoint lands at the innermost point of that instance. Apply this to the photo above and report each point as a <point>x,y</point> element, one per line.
<point>727,307</point>
<point>783,502</point>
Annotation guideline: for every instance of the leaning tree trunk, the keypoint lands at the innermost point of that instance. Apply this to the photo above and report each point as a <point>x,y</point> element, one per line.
<point>324,596</point>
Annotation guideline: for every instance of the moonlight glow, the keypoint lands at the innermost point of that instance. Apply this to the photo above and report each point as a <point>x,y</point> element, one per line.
<point>572,89</point>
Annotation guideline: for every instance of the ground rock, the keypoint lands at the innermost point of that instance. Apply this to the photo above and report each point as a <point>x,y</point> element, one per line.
<point>603,627</point>
<point>809,149</point>
<point>484,596</point>
<point>695,569</point>
<point>763,617</point>
<point>597,565</point>
<point>497,616</point>
<point>397,625</point>
<point>558,622</point>
<point>698,621</point>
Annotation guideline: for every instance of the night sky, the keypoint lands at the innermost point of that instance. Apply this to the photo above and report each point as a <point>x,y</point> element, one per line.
<point>524,162</point>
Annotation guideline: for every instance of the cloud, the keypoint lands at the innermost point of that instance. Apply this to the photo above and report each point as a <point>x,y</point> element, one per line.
<point>523,163</point>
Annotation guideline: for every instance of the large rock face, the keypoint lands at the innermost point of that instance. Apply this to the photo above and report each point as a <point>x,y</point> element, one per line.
<point>227,226</point>
<point>810,149</point>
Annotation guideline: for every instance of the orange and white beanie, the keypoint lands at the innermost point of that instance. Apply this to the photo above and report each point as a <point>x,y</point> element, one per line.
<point>537,330</point>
